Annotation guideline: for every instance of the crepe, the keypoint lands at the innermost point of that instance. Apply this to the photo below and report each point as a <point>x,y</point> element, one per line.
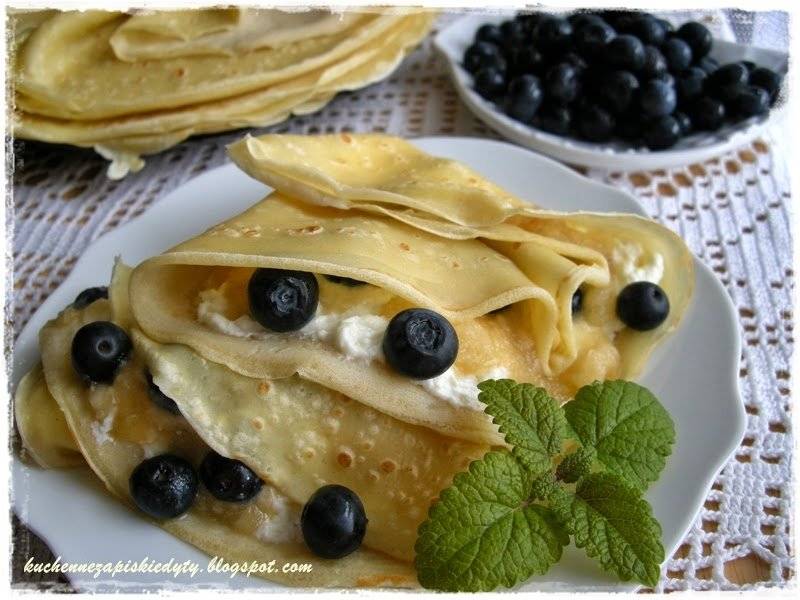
<point>287,63</point>
<point>395,468</point>
<point>41,424</point>
<point>389,176</point>
<point>341,209</point>
<point>149,133</point>
<point>322,404</point>
<point>222,31</point>
<point>67,69</point>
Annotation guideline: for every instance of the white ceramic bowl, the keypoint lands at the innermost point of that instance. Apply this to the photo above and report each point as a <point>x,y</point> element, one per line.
<point>452,41</point>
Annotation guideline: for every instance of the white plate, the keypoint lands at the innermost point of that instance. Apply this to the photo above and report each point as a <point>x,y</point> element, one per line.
<point>694,373</point>
<point>452,41</point>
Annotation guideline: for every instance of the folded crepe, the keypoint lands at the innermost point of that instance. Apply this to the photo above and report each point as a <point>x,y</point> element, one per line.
<point>321,404</point>
<point>298,95</point>
<point>41,425</point>
<point>341,208</point>
<point>193,71</point>
<point>396,469</point>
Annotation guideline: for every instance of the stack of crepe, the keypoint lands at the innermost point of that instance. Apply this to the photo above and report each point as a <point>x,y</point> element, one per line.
<point>306,408</point>
<point>129,85</point>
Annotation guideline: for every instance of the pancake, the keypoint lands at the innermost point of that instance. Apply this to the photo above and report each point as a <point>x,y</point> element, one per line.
<point>516,256</point>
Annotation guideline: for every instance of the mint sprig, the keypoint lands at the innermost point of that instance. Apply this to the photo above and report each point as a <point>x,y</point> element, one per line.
<point>508,517</point>
<point>482,533</point>
<point>627,427</point>
<point>531,421</point>
<point>611,521</point>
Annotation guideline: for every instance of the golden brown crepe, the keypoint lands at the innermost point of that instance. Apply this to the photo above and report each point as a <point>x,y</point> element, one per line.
<point>147,133</point>
<point>319,221</point>
<point>41,424</point>
<point>321,404</point>
<point>395,468</point>
<point>131,85</point>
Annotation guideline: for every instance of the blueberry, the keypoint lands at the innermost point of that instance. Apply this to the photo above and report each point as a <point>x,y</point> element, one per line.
<point>618,92</point>
<point>591,38</point>
<point>726,82</point>
<point>684,122</point>
<point>490,83</point>
<point>333,522</point>
<point>562,82</point>
<point>677,53</point>
<point>767,79</point>
<point>346,281</point>
<point>669,28</point>
<point>648,29</point>
<point>657,98</point>
<point>528,20</point>
<point>751,101</point>
<point>629,126</point>
<point>582,18</point>
<point>512,30</point>
<point>523,98</point>
<point>625,52</point>
<point>620,19</point>
<point>99,350</point>
<point>697,36</point>
<point>662,132</point>
<point>163,486</point>
<point>89,295</point>
<point>642,305</point>
<point>665,77</point>
<point>654,62</point>
<point>282,300</point>
<point>483,54</point>
<point>595,124</point>
<point>228,479</point>
<point>525,60</point>
<point>707,113</point>
<point>749,65</point>
<point>577,301</point>
<point>489,33</point>
<point>576,60</point>
<point>420,343</point>
<point>158,397</point>
<point>554,119</point>
<point>708,64</point>
<point>552,35</point>
<point>689,84</point>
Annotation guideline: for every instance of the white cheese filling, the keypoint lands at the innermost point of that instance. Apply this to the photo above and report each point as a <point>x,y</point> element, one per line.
<point>357,337</point>
<point>102,429</point>
<point>635,264</point>
<point>283,524</point>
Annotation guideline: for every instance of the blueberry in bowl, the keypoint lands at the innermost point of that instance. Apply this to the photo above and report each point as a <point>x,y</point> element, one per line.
<point>624,80</point>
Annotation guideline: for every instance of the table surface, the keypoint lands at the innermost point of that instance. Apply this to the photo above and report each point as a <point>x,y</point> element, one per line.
<point>732,211</point>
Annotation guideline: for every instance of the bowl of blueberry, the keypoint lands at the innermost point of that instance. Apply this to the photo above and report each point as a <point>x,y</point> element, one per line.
<point>615,89</point>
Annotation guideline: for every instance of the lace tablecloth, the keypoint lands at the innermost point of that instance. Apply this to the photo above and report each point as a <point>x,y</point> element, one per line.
<point>732,211</point>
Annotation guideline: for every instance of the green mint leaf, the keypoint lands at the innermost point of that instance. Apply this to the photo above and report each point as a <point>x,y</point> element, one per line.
<point>482,533</point>
<point>614,524</point>
<point>543,486</point>
<point>576,465</point>
<point>631,431</point>
<point>532,421</point>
